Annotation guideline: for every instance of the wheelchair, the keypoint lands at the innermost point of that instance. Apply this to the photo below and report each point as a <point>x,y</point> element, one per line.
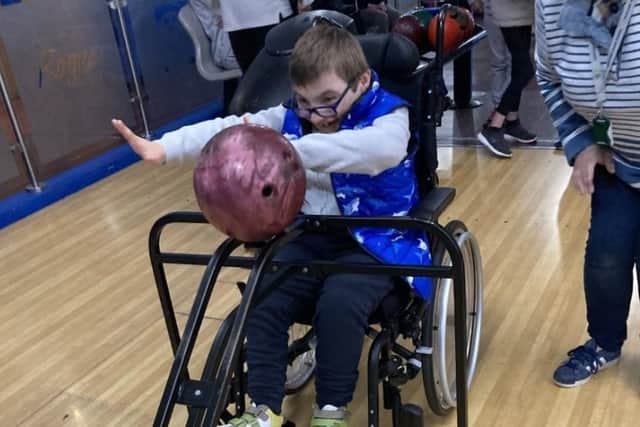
<point>444,334</point>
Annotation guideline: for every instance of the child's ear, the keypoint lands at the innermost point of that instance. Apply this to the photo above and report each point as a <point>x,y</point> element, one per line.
<point>364,81</point>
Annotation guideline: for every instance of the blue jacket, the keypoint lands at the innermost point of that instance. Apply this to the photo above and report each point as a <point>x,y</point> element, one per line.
<point>393,192</point>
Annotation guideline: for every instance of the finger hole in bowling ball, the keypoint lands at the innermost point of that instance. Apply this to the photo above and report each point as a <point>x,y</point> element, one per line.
<point>267,191</point>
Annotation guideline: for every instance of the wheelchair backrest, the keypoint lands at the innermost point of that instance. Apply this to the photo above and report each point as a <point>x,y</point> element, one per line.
<point>394,57</point>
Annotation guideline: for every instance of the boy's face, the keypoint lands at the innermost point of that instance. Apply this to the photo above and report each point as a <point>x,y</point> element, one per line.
<point>326,100</point>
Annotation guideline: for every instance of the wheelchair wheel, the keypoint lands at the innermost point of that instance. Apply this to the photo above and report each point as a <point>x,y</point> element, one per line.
<point>438,325</point>
<point>302,358</point>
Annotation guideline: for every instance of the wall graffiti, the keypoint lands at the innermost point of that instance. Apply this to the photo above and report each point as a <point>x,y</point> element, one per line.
<point>71,68</point>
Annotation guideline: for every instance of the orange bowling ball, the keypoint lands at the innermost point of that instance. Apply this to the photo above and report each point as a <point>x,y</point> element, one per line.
<point>458,26</point>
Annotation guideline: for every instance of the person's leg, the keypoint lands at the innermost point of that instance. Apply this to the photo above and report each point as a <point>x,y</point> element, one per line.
<point>504,125</point>
<point>500,60</point>
<point>612,248</point>
<point>229,87</point>
<point>246,44</point>
<point>268,325</point>
<point>344,305</point>
<point>291,301</point>
<point>610,255</point>
<point>518,41</point>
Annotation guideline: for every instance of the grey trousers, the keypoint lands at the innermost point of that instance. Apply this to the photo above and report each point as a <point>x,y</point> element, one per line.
<point>500,60</point>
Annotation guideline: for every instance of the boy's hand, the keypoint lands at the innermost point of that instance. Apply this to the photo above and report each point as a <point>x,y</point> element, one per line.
<point>147,150</point>
<point>584,166</point>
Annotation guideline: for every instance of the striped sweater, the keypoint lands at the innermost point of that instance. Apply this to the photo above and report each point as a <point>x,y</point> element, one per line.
<point>565,77</point>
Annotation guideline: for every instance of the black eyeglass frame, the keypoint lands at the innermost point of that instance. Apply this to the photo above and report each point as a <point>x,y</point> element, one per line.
<point>324,111</point>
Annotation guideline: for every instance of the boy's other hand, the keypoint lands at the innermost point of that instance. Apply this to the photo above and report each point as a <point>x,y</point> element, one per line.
<point>585,164</point>
<point>147,150</point>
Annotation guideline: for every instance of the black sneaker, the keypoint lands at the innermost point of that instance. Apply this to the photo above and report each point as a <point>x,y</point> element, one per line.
<point>513,131</point>
<point>493,139</point>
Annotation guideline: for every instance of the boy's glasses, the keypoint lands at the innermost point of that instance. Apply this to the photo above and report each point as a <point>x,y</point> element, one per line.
<point>324,111</point>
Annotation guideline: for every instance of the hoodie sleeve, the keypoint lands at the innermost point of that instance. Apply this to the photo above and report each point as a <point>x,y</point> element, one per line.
<point>574,130</point>
<point>369,151</point>
<point>187,142</point>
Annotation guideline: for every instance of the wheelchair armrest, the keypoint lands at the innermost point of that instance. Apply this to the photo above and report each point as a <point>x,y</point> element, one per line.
<point>202,45</point>
<point>434,203</point>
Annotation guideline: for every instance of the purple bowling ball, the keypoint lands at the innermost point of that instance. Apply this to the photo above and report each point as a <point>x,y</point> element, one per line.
<point>249,182</point>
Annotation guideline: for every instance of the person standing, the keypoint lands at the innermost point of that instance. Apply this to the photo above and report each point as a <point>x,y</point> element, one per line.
<point>248,22</point>
<point>515,20</point>
<point>587,70</point>
<point>500,60</point>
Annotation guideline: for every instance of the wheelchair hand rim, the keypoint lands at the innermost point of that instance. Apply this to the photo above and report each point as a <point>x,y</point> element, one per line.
<point>473,276</point>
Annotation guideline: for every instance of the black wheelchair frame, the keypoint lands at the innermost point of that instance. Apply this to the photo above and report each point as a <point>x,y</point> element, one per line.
<point>182,389</point>
<point>208,399</point>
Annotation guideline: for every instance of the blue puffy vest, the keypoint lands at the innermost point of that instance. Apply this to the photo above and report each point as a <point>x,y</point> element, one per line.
<point>392,192</point>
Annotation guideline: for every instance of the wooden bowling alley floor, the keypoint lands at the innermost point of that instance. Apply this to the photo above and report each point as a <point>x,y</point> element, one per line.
<point>82,340</point>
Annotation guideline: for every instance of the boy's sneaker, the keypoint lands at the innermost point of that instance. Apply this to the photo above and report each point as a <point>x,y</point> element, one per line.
<point>513,131</point>
<point>256,416</point>
<point>493,139</point>
<point>329,416</point>
<point>584,362</point>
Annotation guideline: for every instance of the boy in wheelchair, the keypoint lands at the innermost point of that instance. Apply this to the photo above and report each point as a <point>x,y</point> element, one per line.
<point>353,138</point>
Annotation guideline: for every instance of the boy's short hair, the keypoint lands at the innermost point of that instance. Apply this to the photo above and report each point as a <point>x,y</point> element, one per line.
<point>324,48</point>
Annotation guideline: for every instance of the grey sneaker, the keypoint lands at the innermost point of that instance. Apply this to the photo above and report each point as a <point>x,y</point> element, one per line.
<point>493,139</point>
<point>513,131</point>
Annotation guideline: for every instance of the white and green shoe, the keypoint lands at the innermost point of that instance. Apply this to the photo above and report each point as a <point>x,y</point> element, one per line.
<point>257,416</point>
<point>329,416</point>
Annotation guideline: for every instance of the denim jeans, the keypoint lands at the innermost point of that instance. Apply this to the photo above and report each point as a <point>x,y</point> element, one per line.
<point>613,247</point>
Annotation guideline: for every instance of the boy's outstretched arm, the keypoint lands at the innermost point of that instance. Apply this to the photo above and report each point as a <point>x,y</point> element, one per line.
<point>187,142</point>
<point>147,150</point>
